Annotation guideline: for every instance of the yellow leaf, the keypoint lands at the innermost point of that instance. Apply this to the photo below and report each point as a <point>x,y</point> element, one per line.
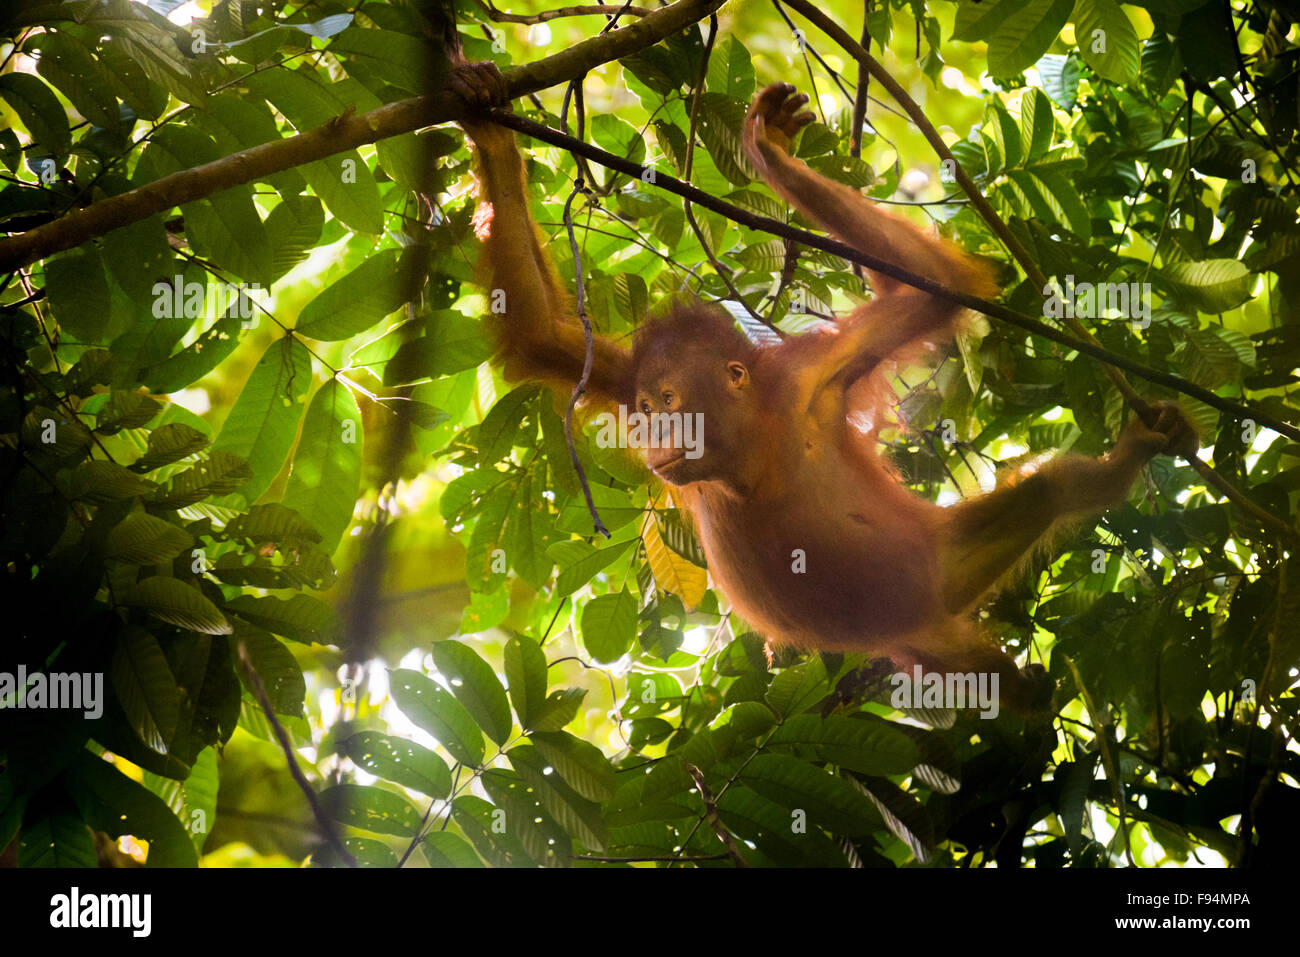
<point>672,572</point>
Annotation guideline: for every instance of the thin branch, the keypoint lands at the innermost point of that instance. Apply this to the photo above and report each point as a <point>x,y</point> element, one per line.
<point>860,106</point>
<point>322,819</point>
<point>864,81</point>
<point>668,859</point>
<point>588,339</point>
<point>718,268</point>
<point>715,822</point>
<point>995,310</point>
<point>344,132</point>
<point>581,10</point>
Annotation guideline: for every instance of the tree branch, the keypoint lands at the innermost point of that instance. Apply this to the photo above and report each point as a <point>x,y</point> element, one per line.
<point>993,309</point>
<point>342,133</point>
<point>322,819</point>
<point>580,10</point>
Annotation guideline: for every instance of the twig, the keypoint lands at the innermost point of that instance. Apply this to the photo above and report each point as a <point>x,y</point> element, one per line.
<point>322,819</point>
<point>995,310</point>
<point>581,10</point>
<point>589,340</point>
<point>1108,759</point>
<point>343,133</point>
<point>683,859</point>
<point>686,175</point>
<point>715,822</point>
<point>860,106</point>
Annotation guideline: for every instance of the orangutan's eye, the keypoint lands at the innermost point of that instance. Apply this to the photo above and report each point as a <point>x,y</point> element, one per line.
<point>668,398</point>
<point>645,407</point>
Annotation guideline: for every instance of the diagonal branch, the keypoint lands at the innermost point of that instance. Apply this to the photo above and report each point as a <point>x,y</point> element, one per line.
<point>995,310</point>
<point>323,820</point>
<point>344,132</point>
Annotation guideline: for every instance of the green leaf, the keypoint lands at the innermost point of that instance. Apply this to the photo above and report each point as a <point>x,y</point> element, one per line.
<point>197,359</point>
<point>326,471</point>
<point>730,70</point>
<point>476,686</point>
<point>796,688</point>
<point>406,159</point>
<point>348,189</point>
<point>177,604</point>
<point>282,679</point>
<point>145,539</point>
<point>77,289</point>
<point>721,119</point>
<point>867,746</point>
<point>609,625</point>
<point>1077,777</point>
<point>59,839</point>
<point>109,801</point>
<point>435,710</point>
<point>1212,285</point>
<point>980,21</point>
<point>400,761</point>
<point>560,708</point>
<point>226,229</point>
<point>292,229</point>
<point>902,813</point>
<point>580,763</point>
<point>766,824</point>
<point>1036,123</point>
<point>580,563</point>
<point>264,420</point>
<point>366,851</point>
<point>525,666</point>
<point>1060,79</point>
<point>397,58</point>
<point>370,809</point>
<point>618,137</point>
<point>273,522</point>
<point>1021,39</point>
<point>126,410</point>
<point>299,617</point>
<point>1207,359</point>
<point>219,473</point>
<point>452,344</point>
<point>40,111</point>
<point>579,816</point>
<point>1161,64</point>
<point>495,436</point>
<point>748,718</point>
<point>169,443</point>
<point>1107,41</point>
<point>444,849</point>
<point>98,482</point>
<point>145,687</point>
<point>355,302</point>
<point>829,800</point>
<point>68,64</point>
<point>153,48</point>
<point>194,800</point>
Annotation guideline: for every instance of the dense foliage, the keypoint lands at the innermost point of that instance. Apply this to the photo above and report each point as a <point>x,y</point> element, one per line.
<point>256,471</point>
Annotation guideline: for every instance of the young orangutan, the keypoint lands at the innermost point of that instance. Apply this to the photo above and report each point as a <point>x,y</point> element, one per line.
<point>808,533</point>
